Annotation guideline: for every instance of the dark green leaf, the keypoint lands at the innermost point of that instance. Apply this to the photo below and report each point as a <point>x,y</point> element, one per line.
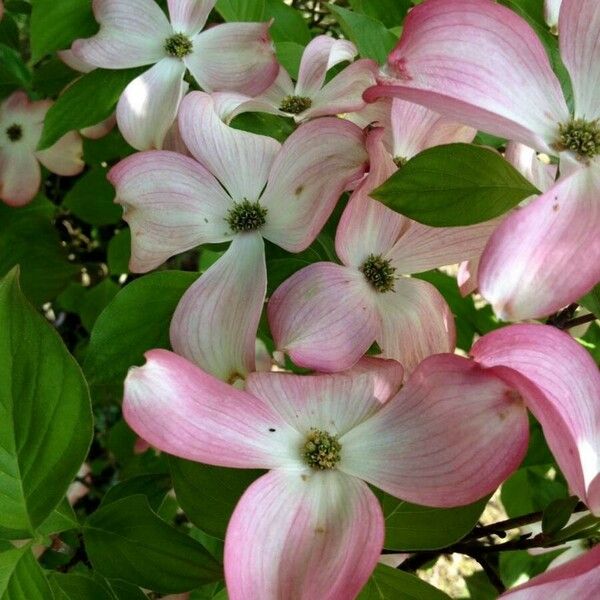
<point>391,584</point>
<point>591,301</point>
<point>209,494</point>
<point>94,301</point>
<point>126,540</point>
<point>90,100</point>
<point>454,184</point>
<point>371,37</point>
<point>515,565</point>
<point>557,514</point>
<point>52,77</point>
<point>119,251</point>
<point>62,518</point>
<point>289,54</point>
<point>154,486</point>
<point>288,24</point>
<point>135,321</point>
<point>241,10</point>
<point>21,577</point>
<point>126,591</point>
<point>107,149</point>
<point>44,411</point>
<point>265,124</point>
<point>14,74</point>
<point>54,25</point>
<point>9,31</point>
<point>73,586</point>
<point>390,12</point>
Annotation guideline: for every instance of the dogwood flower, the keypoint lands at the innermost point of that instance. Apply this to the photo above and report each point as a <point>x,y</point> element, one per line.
<point>479,62</point>
<point>21,124</point>
<point>311,97</point>
<point>133,33</point>
<point>311,527</point>
<point>407,317</point>
<point>241,187</point>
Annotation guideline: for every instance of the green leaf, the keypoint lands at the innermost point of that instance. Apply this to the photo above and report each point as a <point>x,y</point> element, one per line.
<point>371,37</point>
<point>74,586</point>
<point>51,77</point>
<point>94,301</point>
<point>288,24</point>
<point>209,494</point>
<point>119,251</point>
<point>54,25</point>
<point>14,74</point>
<point>46,270</point>
<point>92,199</point>
<point>390,12</point>
<point>391,584</point>
<point>557,514</point>
<point>454,184</point>
<point>135,321</point>
<point>45,415</point>
<point>289,54</point>
<point>126,591</point>
<point>127,540</point>
<point>9,31</point>
<point>412,527</point>
<point>241,10</point>
<point>62,518</point>
<point>21,577</point>
<point>153,486</point>
<point>591,301</point>
<point>90,100</point>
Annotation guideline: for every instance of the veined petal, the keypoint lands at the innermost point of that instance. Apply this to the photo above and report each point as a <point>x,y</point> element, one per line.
<point>579,26</point>
<point>148,105</point>
<point>466,276</point>
<point>241,161</point>
<point>527,269</point>
<point>171,203</point>
<point>451,436</point>
<point>95,132</point>
<point>316,164</point>
<point>302,536</point>
<point>566,401</point>
<point>132,33</point>
<point>344,92</point>
<point>20,176</point>
<point>69,58</point>
<point>322,53</point>
<point>415,322</point>
<point>229,105</point>
<point>480,63</point>
<point>416,128</point>
<point>388,375</point>
<point>189,16</point>
<point>525,160</point>
<point>178,408</point>
<point>309,322</point>
<point>216,320</point>
<point>573,580</point>
<point>234,57</point>
<point>378,114</point>
<point>65,157</point>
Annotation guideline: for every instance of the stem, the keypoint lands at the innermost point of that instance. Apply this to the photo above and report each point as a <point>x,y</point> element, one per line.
<point>579,321</point>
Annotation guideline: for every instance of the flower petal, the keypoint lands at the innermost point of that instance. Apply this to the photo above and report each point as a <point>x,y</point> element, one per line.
<point>450,437</point>
<point>309,322</point>
<point>567,400</point>
<point>344,92</point>
<point>189,16</point>
<point>316,164</point>
<point>65,157</point>
<point>388,374</point>
<point>178,408</point>
<point>132,33</point>
<point>322,53</point>
<point>171,203</point>
<point>481,64</point>
<point>526,161</point>
<point>69,58</point>
<point>241,161</point>
<point>20,176</point>
<point>579,26</point>
<point>551,12</point>
<point>303,536</point>
<point>148,105</point>
<point>216,320</point>
<point>415,321</point>
<point>575,579</point>
<point>234,57</point>
<point>416,128</point>
<point>527,269</point>
<point>95,132</point>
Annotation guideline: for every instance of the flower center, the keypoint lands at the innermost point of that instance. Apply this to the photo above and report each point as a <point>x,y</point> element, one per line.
<point>580,136</point>
<point>178,45</point>
<point>321,450</point>
<point>14,132</point>
<point>379,273</point>
<point>295,104</point>
<point>246,216</point>
<point>400,161</point>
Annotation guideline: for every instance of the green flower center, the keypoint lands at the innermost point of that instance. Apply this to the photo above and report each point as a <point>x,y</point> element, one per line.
<point>295,104</point>
<point>400,161</point>
<point>14,132</point>
<point>379,273</point>
<point>179,45</point>
<point>321,450</point>
<point>246,216</point>
<point>580,136</point>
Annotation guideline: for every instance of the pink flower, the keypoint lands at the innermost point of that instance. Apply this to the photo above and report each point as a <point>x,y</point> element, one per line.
<point>133,33</point>
<point>311,528</point>
<point>21,124</point>
<point>577,579</point>
<point>407,317</point>
<point>311,97</point>
<point>479,62</point>
<point>241,187</point>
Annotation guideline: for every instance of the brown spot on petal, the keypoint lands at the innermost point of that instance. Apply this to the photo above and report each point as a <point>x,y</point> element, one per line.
<point>299,190</point>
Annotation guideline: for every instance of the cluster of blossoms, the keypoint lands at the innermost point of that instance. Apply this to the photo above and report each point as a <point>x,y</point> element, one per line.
<point>417,421</point>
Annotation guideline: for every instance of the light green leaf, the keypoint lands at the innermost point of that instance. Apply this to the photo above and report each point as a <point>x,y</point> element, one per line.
<point>241,10</point>
<point>391,584</point>
<point>288,23</point>
<point>390,12</point>
<point>74,586</point>
<point>62,518</point>
<point>21,577</point>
